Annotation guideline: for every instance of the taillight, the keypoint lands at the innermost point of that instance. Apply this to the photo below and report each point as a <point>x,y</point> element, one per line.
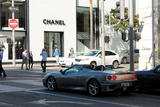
<point>109,77</point>
<point>134,76</point>
<point>114,77</point>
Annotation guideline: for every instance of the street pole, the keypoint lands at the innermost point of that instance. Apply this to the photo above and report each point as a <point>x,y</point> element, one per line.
<point>102,32</point>
<point>131,34</point>
<point>153,38</point>
<point>91,24</point>
<point>13,39</point>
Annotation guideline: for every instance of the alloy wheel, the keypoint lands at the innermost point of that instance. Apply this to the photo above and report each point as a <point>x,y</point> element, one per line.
<point>51,84</point>
<point>115,64</point>
<point>93,88</point>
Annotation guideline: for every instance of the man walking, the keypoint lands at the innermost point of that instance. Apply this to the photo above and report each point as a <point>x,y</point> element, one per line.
<point>44,59</point>
<point>1,68</point>
<point>24,59</point>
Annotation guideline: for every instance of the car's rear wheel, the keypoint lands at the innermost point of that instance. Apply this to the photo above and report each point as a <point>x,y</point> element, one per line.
<point>51,84</point>
<point>93,88</point>
<point>115,64</point>
<point>93,65</point>
<point>124,60</point>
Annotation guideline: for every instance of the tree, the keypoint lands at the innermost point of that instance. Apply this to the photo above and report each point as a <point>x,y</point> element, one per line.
<point>121,25</point>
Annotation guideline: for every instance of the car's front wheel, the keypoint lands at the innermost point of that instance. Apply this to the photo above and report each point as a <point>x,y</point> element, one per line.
<point>93,88</point>
<point>51,84</point>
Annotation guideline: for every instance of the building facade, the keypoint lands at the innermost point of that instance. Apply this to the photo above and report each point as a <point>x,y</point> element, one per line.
<point>48,24</point>
<point>149,43</point>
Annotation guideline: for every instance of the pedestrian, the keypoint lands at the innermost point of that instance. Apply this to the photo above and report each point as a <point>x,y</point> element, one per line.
<point>44,59</point>
<point>71,52</point>
<point>30,60</point>
<point>25,59</point>
<point>56,54</point>
<point>1,68</point>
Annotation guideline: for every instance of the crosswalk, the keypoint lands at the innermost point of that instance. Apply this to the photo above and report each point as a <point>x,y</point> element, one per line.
<point>6,86</point>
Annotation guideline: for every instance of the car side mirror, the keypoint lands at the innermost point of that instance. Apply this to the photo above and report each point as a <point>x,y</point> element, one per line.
<point>100,56</point>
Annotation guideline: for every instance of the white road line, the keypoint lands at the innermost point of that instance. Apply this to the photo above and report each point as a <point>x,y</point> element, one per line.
<point>86,99</point>
<point>45,102</point>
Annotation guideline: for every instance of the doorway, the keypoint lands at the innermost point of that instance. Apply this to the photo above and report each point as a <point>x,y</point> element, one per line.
<point>52,40</point>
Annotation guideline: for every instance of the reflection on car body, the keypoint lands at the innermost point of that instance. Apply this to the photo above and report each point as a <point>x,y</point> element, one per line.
<point>90,80</point>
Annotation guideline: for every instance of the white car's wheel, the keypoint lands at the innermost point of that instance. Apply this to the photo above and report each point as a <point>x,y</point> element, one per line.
<point>93,64</point>
<point>124,60</point>
<point>115,64</point>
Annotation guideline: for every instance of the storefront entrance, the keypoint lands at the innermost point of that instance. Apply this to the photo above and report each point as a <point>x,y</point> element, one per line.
<point>19,43</point>
<point>52,40</point>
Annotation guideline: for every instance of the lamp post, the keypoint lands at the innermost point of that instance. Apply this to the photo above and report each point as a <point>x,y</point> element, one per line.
<point>13,38</point>
<point>131,22</point>
<point>91,24</point>
<point>102,32</point>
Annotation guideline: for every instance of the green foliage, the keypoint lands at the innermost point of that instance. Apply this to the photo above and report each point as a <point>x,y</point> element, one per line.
<point>121,24</point>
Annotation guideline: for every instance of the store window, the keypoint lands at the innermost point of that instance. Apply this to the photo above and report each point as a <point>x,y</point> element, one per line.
<point>52,40</point>
<point>83,28</point>
<point>6,14</point>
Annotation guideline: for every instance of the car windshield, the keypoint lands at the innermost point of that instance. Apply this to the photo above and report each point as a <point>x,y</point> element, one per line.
<point>91,53</point>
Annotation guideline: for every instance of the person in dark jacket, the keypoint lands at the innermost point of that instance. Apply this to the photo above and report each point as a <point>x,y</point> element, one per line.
<point>30,60</point>
<point>1,68</point>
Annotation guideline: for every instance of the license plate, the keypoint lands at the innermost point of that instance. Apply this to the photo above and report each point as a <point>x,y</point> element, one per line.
<point>126,84</point>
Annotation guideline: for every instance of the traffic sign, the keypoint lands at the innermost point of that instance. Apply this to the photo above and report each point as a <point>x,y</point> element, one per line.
<point>13,23</point>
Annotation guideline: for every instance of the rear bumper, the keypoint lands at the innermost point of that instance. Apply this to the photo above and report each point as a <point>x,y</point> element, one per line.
<point>132,86</point>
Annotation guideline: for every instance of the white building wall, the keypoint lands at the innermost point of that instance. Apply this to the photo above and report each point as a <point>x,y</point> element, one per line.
<point>145,43</point>
<point>54,10</point>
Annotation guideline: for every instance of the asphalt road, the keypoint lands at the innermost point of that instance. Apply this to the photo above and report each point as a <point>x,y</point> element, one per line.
<point>24,89</point>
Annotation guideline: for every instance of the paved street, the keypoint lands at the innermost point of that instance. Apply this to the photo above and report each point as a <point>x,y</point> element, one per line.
<point>24,88</point>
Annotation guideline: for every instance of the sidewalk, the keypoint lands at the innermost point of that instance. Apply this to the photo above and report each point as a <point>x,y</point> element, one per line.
<point>36,66</point>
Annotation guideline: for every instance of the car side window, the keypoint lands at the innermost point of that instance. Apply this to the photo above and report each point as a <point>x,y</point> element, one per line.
<point>72,70</point>
<point>107,53</point>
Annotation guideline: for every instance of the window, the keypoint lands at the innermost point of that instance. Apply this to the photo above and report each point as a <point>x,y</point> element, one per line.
<point>6,14</point>
<point>83,29</point>
<point>72,70</point>
<point>107,53</point>
<point>52,40</point>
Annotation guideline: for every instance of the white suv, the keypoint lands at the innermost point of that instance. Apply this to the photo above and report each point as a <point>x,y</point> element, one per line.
<point>94,58</point>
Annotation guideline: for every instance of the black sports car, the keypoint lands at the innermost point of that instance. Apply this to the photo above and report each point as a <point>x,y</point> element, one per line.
<point>92,81</point>
<point>149,79</point>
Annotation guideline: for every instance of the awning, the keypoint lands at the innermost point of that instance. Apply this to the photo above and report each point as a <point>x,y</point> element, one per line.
<point>8,34</point>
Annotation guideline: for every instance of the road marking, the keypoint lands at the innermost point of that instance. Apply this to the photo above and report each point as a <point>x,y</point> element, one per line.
<point>6,88</point>
<point>45,102</point>
<point>29,82</point>
<point>86,99</point>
